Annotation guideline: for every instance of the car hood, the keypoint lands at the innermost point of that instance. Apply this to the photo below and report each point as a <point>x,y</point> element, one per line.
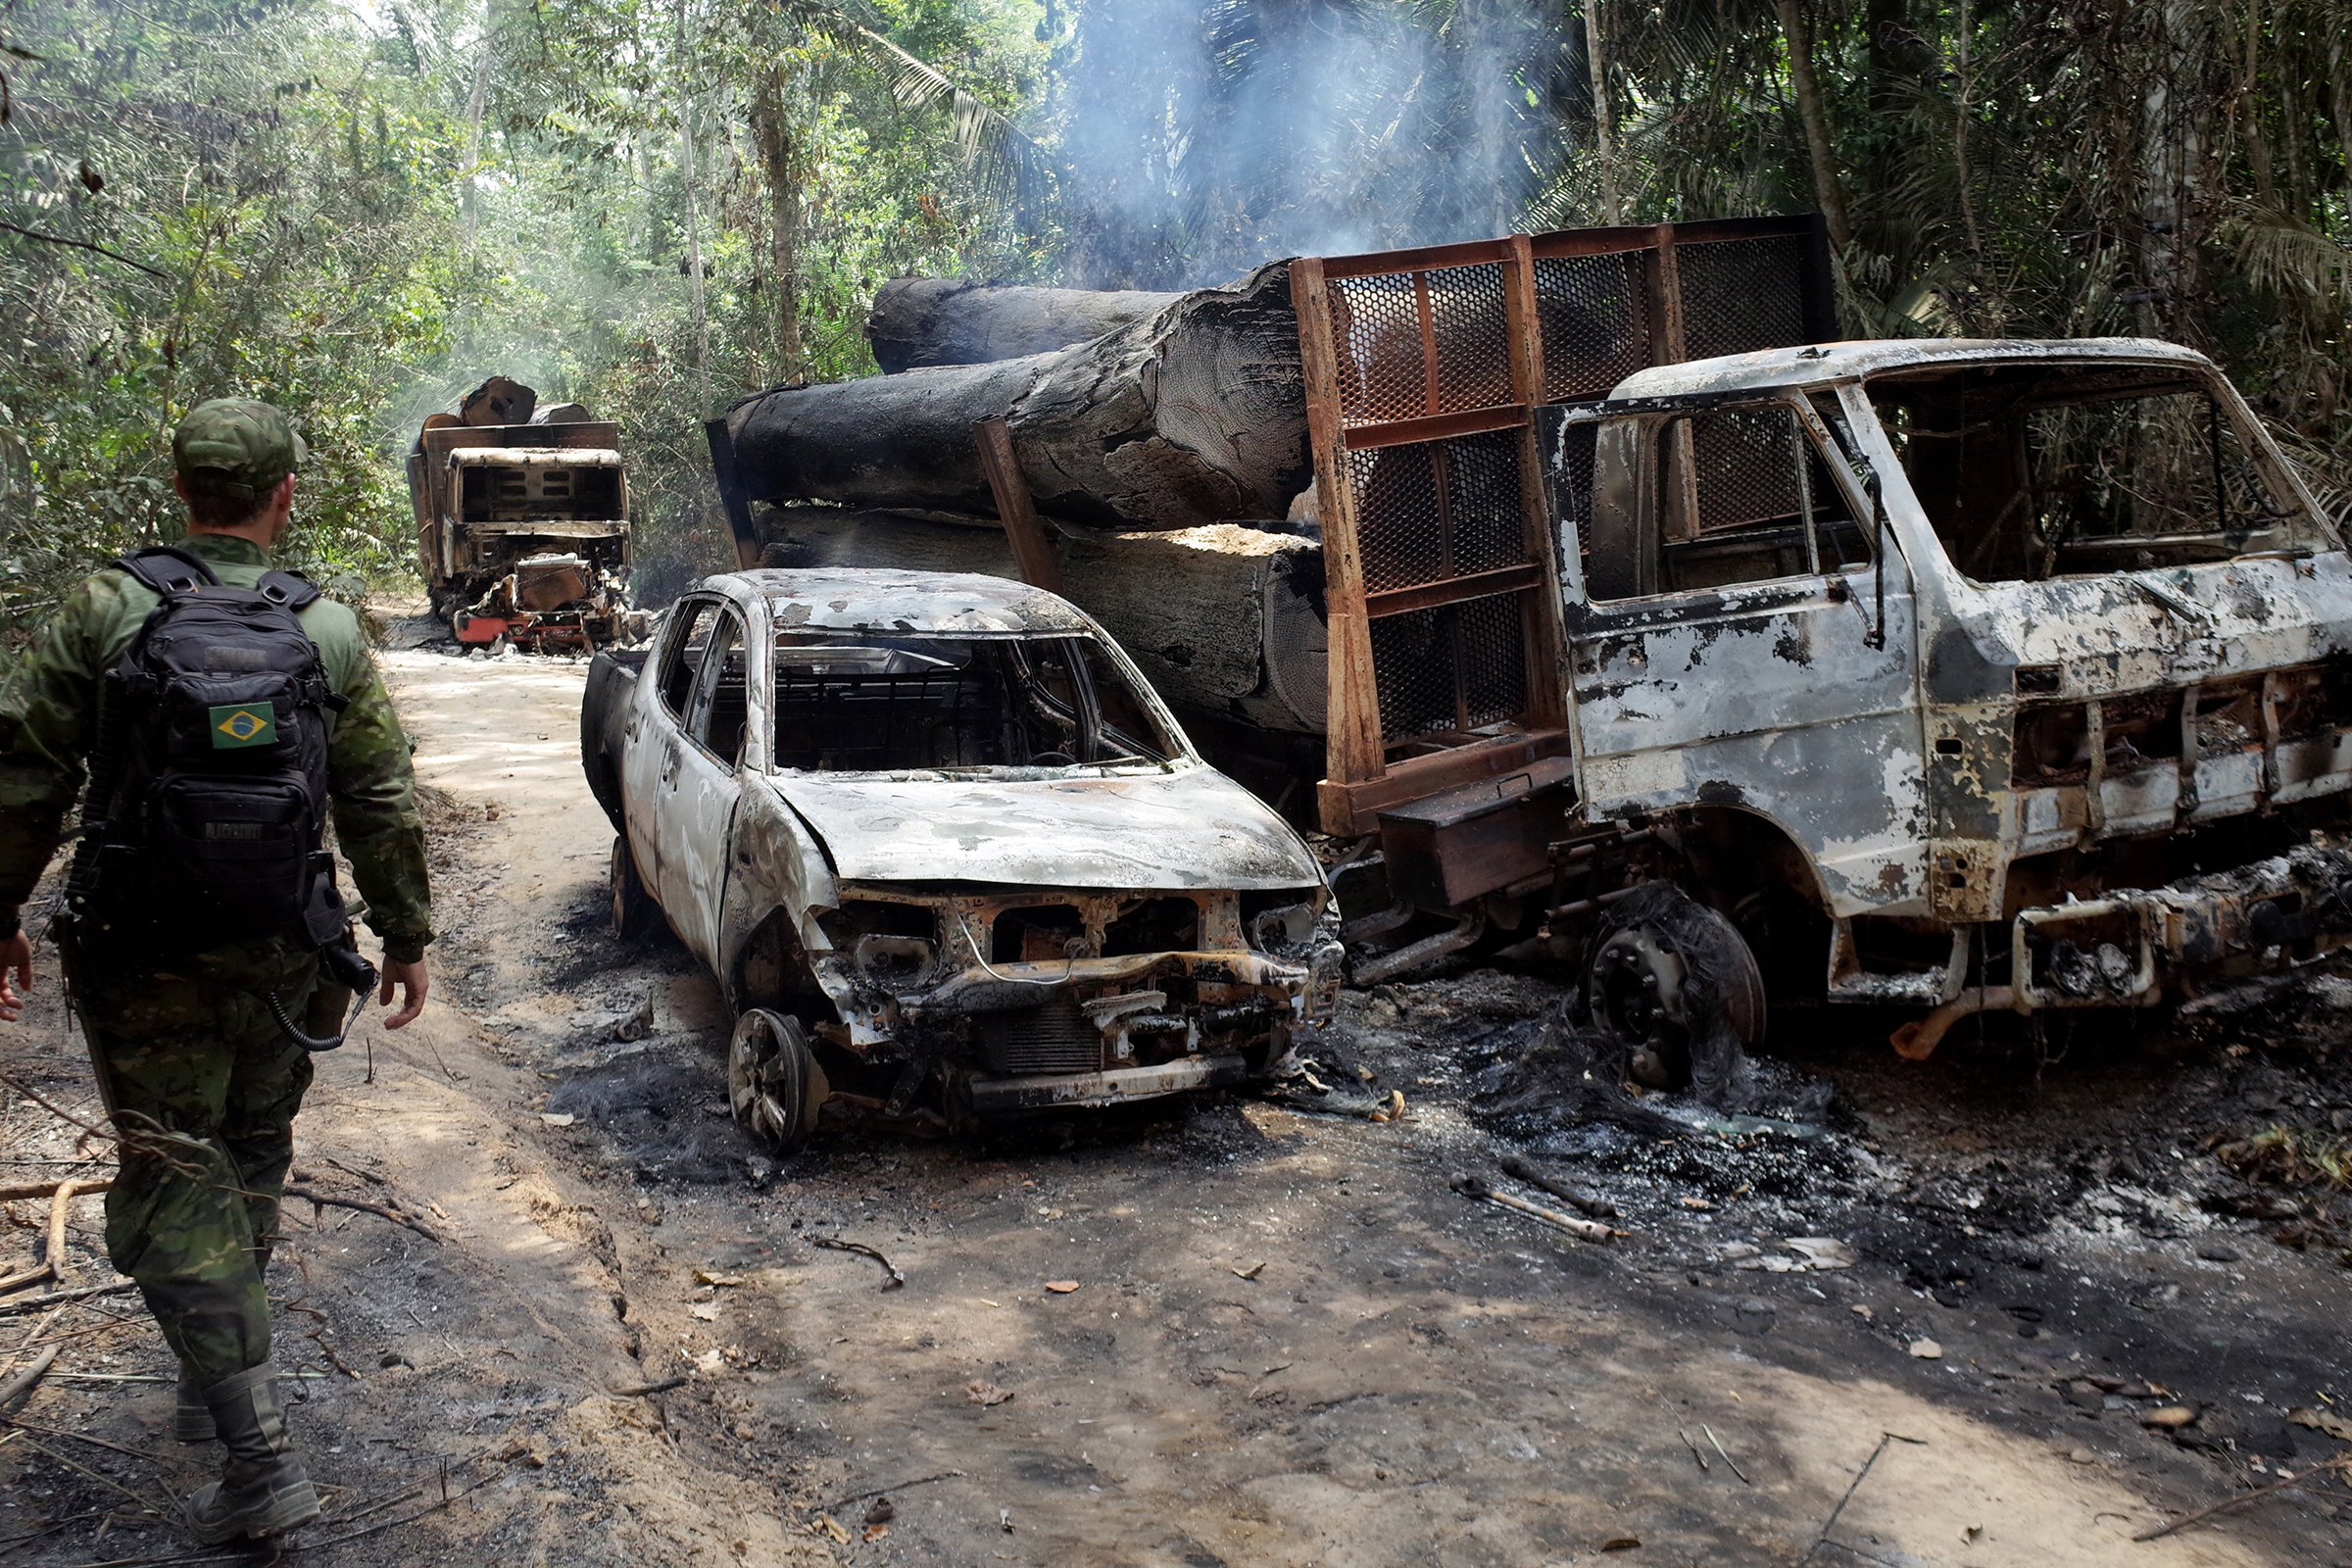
<point>1191,828</point>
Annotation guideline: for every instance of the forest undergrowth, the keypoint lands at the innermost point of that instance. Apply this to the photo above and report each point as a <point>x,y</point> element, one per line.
<point>653,209</point>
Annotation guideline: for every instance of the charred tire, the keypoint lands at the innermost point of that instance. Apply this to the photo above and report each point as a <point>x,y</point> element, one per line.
<point>774,1085</point>
<point>635,914</point>
<point>1676,984</point>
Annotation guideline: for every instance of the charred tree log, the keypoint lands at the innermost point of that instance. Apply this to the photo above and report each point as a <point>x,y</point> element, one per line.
<point>922,321</point>
<point>1192,415</point>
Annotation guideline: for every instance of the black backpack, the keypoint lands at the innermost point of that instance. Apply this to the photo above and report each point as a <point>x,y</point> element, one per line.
<point>208,798</point>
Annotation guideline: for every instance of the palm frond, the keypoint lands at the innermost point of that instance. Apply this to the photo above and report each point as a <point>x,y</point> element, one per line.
<point>1005,162</point>
<point>2286,254</point>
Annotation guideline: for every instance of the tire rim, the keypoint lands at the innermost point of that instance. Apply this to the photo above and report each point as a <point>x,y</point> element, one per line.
<point>768,1078</point>
<point>1636,992</point>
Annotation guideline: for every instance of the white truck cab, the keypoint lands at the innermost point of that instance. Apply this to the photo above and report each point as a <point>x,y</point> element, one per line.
<point>1981,674</point>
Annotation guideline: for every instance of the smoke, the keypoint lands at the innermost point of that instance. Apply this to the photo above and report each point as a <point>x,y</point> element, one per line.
<point>1200,137</point>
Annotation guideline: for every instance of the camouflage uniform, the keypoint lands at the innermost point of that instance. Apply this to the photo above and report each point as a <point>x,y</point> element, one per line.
<point>191,1046</point>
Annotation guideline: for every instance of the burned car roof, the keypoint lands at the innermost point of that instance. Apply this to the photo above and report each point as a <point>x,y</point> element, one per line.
<point>1845,362</point>
<point>880,600</point>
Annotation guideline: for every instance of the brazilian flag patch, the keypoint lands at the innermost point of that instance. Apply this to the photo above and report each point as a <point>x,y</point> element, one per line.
<point>244,724</point>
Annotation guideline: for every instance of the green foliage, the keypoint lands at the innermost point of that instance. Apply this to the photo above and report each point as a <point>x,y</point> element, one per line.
<point>361,212</point>
<point>359,219</point>
<point>268,193</point>
<point>2163,170</point>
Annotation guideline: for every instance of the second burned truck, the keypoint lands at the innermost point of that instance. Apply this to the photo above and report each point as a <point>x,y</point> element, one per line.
<point>523,521</point>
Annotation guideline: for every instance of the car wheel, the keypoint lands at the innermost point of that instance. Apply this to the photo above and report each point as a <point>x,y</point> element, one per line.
<point>1674,981</point>
<point>774,1085</point>
<point>634,911</point>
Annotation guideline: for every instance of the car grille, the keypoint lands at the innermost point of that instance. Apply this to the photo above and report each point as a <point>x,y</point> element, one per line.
<point>1054,1038</point>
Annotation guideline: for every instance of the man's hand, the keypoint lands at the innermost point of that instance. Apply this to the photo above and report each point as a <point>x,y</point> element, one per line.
<point>16,965</point>
<point>413,982</point>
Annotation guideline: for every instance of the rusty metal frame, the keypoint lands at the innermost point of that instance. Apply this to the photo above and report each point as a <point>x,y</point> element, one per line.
<point>1367,768</point>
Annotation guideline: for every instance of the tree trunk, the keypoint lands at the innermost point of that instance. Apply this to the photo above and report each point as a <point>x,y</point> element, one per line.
<point>1815,116</point>
<point>477,98</point>
<point>694,225</point>
<point>2340,99</point>
<point>2175,131</point>
<point>1193,415</point>
<point>771,132</point>
<point>922,321</point>
<point>1604,116</point>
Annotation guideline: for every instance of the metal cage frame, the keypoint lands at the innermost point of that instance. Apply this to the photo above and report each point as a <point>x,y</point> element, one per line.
<point>1423,369</point>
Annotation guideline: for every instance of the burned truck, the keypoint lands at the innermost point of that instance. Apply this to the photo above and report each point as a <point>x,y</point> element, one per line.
<point>1961,675</point>
<point>1731,665</point>
<point>523,521</point>
<point>947,854</point>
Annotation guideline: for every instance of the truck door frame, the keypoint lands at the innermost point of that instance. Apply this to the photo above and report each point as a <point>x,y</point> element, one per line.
<point>1754,757</point>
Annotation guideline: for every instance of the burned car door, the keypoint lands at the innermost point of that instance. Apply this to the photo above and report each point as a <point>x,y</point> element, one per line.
<point>654,731</point>
<point>696,795</point>
<point>1731,642</point>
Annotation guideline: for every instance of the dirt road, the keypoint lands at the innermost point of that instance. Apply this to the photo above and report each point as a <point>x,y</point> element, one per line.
<point>1288,1341</point>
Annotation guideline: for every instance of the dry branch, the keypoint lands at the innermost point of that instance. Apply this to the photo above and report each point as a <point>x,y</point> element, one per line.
<point>109,1483</point>
<point>836,1243</point>
<point>2341,1467</point>
<point>81,1189</point>
<point>54,1110</point>
<point>84,1437</point>
<point>57,1201</point>
<point>80,1292</point>
<point>17,1389</point>
<point>317,1200</point>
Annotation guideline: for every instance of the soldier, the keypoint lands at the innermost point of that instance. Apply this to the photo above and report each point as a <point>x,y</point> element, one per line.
<point>198,1057</point>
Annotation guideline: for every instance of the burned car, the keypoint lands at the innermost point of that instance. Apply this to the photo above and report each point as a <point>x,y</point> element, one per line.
<point>946,851</point>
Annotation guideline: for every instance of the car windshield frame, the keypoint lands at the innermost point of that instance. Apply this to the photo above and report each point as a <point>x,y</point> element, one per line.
<point>932,691</point>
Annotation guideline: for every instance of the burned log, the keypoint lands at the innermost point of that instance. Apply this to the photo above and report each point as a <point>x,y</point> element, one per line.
<point>498,401</point>
<point>918,323</point>
<point>1192,415</point>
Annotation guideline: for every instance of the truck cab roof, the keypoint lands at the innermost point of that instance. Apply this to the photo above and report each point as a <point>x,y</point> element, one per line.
<point>1824,364</point>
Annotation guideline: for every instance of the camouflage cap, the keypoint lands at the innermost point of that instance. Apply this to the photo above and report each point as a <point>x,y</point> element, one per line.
<point>238,447</point>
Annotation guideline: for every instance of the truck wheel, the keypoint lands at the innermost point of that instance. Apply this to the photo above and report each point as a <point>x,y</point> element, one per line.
<point>634,911</point>
<point>1673,980</point>
<point>774,1085</point>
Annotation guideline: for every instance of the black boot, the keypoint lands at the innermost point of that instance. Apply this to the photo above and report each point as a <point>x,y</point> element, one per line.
<point>263,1490</point>
<point>192,1420</point>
